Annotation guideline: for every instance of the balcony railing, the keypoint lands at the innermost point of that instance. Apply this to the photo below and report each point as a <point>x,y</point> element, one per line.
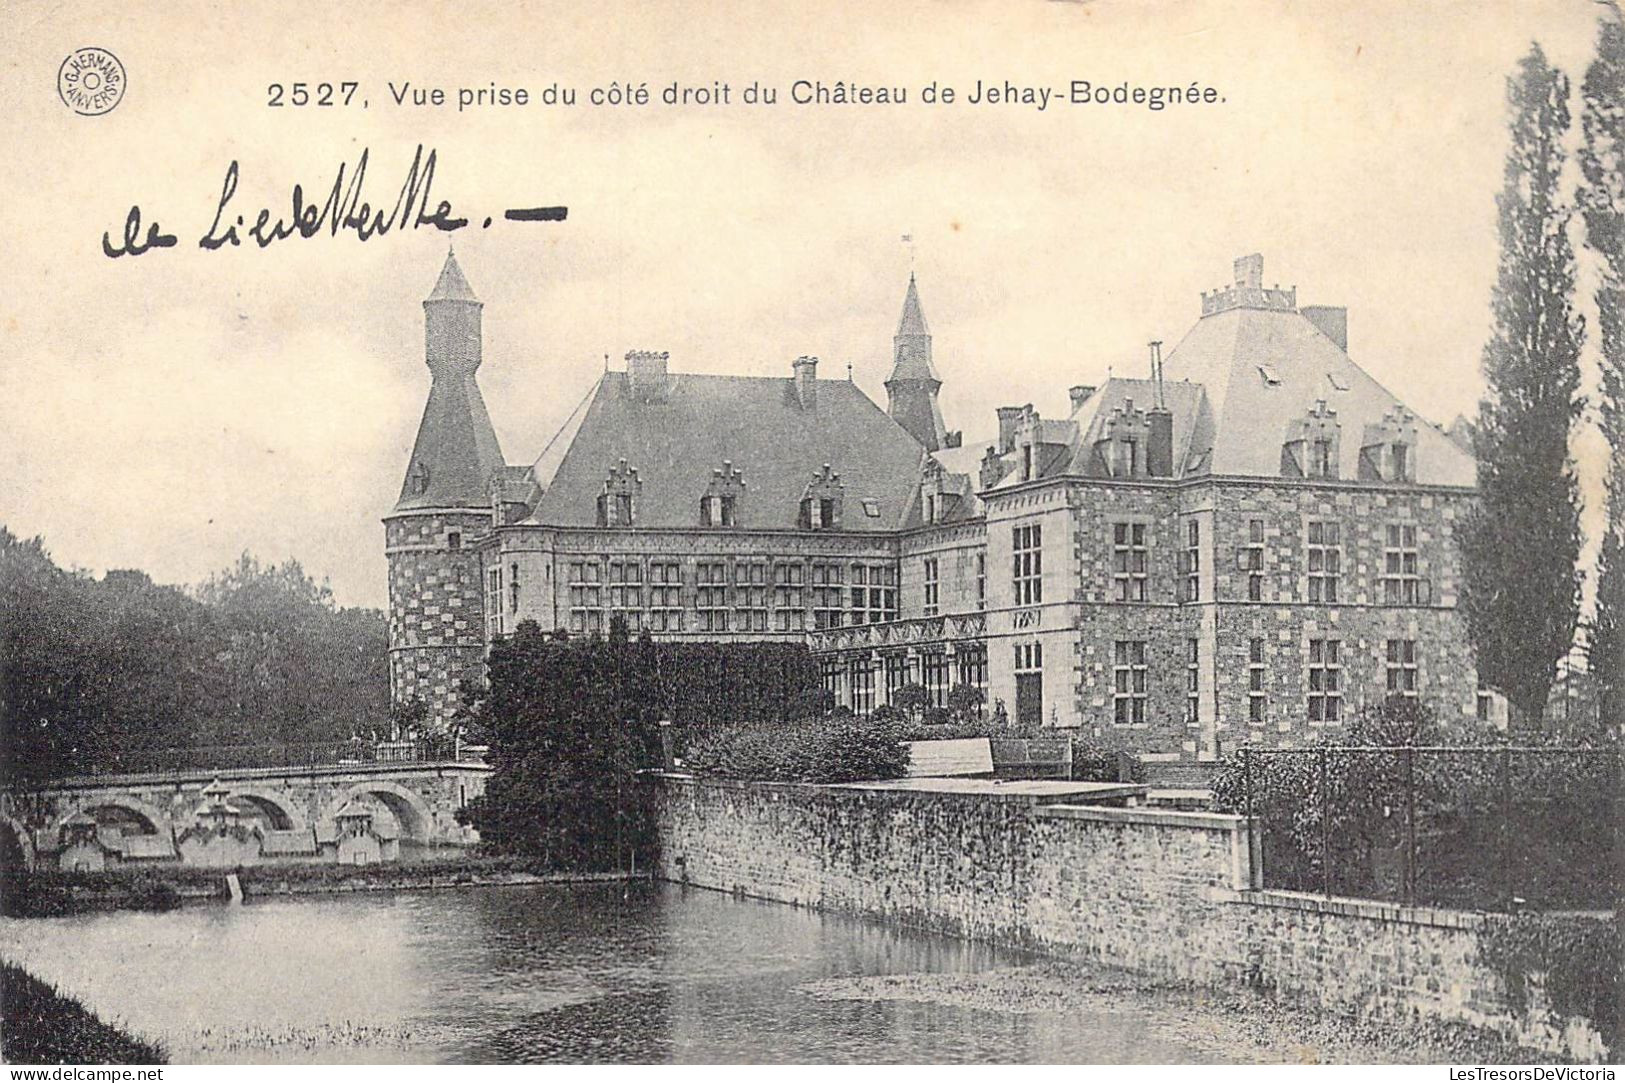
<point>357,753</point>
<point>953,627</point>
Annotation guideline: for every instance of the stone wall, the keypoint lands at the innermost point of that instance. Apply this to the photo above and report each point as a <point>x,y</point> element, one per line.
<point>436,606</point>
<point>1165,894</point>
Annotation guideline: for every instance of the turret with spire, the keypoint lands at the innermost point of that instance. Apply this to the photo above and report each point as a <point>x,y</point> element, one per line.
<point>911,391</point>
<point>456,450</point>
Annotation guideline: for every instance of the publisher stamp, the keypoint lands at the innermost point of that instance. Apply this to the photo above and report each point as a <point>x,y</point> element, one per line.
<point>91,81</point>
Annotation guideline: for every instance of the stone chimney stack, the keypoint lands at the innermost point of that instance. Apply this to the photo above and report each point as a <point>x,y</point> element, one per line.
<point>646,373</point>
<point>806,379</point>
<point>1333,321</point>
<point>1009,418</point>
<point>1250,271</point>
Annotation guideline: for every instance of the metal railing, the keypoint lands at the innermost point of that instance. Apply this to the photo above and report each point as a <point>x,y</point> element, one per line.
<point>1484,827</point>
<point>294,756</point>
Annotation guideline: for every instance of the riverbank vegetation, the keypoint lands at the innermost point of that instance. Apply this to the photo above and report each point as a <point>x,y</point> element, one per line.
<point>38,1025</point>
<point>108,673</point>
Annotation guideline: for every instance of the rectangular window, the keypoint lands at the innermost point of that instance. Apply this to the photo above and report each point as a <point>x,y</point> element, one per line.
<point>931,588</point>
<point>874,593</point>
<point>830,671</point>
<point>828,595</point>
<point>1028,573</point>
<point>1321,463</point>
<point>896,674</point>
<point>1029,685</point>
<point>750,596</point>
<point>586,597</point>
<point>711,596</point>
<point>665,596</point>
<point>1129,677</point>
<point>493,603</point>
<point>1401,569</point>
<point>1130,558</point>
<point>1257,697</point>
<point>934,670</point>
<point>1193,681</point>
<point>1325,680</point>
<point>789,599</point>
<point>1401,667</point>
<point>513,588</point>
<point>1192,589</point>
<point>1251,560</point>
<point>860,676</point>
<point>626,593</point>
<point>1325,562</point>
<point>973,666</point>
<point>981,580</point>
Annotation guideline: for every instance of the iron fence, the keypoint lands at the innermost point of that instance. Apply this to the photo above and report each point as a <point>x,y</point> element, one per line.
<point>1485,828</point>
<point>357,752</point>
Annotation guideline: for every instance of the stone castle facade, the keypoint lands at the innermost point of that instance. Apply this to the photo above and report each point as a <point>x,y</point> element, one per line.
<point>1244,547</point>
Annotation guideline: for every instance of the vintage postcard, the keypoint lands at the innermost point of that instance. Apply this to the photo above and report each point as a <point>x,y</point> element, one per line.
<point>931,532</point>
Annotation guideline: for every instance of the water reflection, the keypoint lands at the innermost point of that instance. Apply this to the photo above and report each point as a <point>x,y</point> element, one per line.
<point>584,973</point>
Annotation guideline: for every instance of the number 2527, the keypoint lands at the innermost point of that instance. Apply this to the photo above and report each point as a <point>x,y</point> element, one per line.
<point>310,94</point>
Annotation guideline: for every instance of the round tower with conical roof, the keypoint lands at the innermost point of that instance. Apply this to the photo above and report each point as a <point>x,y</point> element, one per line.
<point>911,390</point>
<point>436,605</point>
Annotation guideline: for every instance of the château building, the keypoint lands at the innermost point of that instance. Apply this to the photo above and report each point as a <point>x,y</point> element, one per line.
<point>1245,545</point>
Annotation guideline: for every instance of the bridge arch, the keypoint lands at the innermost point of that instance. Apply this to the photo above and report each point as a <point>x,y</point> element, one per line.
<point>23,838</point>
<point>413,813</point>
<point>284,814</point>
<point>150,815</point>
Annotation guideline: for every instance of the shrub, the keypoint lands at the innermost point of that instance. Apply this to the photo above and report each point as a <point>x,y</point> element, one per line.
<point>826,750</point>
<point>965,701</point>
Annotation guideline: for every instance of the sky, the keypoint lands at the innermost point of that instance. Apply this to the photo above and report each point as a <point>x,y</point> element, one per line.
<point>171,410</point>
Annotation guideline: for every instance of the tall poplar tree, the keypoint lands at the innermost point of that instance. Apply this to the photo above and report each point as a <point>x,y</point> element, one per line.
<point>1521,546</point>
<point>1602,199</point>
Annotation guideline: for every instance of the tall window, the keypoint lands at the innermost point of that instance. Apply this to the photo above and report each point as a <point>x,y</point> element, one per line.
<point>513,587</point>
<point>665,596</point>
<point>1325,561</point>
<point>1401,582</point>
<point>931,586</point>
<point>586,596</point>
<point>750,595</point>
<point>1257,697</point>
<point>1251,559</point>
<point>981,580</point>
<point>789,603</point>
<point>1193,681</point>
<point>1129,693</point>
<point>717,510</point>
<point>828,592</point>
<point>1191,590</point>
<point>830,670</point>
<point>860,676</point>
<point>1028,577</point>
<point>1401,667</point>
<point>896,674</point>
<point>1325,680</point>
<point>711,596</point>
<point>973,666</point>
<point>934,668</point>
<point>493,603</point>
<point>1029,684</point>
<point>874,593</point>
<point>1129,561</point>
<point>626,592</point>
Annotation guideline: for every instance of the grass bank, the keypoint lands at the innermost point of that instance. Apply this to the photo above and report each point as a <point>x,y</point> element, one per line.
<point>38,1025</point>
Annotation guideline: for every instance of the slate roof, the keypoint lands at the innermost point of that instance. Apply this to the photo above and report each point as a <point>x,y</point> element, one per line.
<point>1185,401</point>
<point>1246,416</point>
<point>677,438</point>
<point>451,285</point>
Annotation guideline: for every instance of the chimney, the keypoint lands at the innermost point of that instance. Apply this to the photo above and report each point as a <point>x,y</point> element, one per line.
<point>646,374</point>
<point>1159,446</point>
<point>1008,417</point>
<point>1080,395</point>
<point>806,377</point>
<point>1333,321</point>
<point>1249,271</point>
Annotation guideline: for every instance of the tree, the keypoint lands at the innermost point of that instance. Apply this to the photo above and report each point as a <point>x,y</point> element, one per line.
<point>1602,201</point>
<point>1521,545</point>
<point>912,698</point>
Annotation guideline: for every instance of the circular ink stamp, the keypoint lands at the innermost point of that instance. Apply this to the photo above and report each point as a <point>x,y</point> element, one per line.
<point>91,81</point>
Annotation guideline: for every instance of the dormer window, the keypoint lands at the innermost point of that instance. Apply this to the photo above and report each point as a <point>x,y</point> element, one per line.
<point>1322,463</point>
<point>1311,446</point>
<point>1400,461</point>
<point>618,504</point>
<point>1388,451</point>
<point>821,501</point>
<point>1125,457</point>
<point>930,508</point>
<point>1026,462</point>
<point>420,478</point>
<point>720,504</point>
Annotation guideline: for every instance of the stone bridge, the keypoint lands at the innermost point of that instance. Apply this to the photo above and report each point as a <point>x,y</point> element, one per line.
<point>244,815</point>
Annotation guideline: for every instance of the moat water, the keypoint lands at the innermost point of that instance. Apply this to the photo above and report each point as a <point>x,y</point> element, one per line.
<point>590,973</point>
